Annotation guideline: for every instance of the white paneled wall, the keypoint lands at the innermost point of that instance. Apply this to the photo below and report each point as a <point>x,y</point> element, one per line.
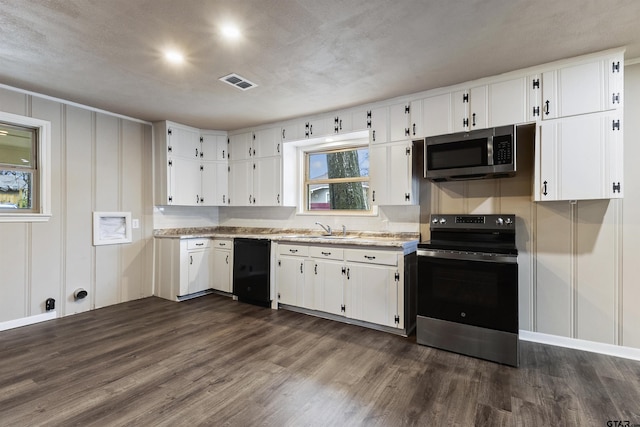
<point>99,162</point>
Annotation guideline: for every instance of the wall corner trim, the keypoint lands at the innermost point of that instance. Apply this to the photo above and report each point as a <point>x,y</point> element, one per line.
<point>11,324</point>
<point>577,344</point>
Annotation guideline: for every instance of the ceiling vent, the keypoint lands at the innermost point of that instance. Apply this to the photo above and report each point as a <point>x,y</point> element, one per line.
<point>238,82</point>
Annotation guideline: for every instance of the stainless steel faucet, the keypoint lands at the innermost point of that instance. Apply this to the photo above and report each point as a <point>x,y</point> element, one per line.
<point>326,228</point>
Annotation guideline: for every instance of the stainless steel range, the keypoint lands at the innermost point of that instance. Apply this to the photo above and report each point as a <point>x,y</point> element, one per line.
<point>468,287</point>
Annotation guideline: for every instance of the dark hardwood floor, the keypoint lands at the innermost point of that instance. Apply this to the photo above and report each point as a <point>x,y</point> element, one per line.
<point>215,361</point>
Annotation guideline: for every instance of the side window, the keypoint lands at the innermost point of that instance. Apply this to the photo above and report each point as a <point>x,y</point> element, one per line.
<point>24,169</point>
<point>337,179</point>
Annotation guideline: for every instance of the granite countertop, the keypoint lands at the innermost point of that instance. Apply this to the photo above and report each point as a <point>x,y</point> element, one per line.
<point>406,241</point>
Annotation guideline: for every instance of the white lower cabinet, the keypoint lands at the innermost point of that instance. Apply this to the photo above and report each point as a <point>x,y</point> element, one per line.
<point>360,284</point>
<point>222,279</point>
<point>183,267</point>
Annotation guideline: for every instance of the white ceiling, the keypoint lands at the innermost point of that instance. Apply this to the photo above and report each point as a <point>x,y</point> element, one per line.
<point>306,56</point>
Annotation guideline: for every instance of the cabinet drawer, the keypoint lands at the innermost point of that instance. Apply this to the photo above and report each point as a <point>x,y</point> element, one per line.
<point>371,256</point>
<point>326,252</point>
<point>223,243</point>
<point>198,243</point>
<point>297,250</point>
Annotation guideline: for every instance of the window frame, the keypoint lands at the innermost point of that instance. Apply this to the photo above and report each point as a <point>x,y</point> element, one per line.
<point>329,148</point>
<point>41,202</point>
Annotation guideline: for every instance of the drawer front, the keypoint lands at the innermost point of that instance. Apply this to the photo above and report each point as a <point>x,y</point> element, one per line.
<point>326,252</point>
<point>371,256</point>
<point>223,243</point>
<point>198,243</point>
<point>295,250</point>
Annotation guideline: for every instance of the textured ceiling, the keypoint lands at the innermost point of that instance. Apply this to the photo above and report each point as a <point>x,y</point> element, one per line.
<point>306,56</point>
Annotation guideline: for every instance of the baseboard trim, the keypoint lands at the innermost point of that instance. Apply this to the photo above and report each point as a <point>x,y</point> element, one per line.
<point>11,324</point>
<point>594,347</point>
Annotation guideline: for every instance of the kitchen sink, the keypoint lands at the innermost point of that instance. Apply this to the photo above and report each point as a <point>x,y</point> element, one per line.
<point>315,236</point>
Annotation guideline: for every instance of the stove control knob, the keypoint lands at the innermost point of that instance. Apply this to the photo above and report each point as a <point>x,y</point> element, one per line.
<point>443,221</point>
<point>434,220</point>
<point>499,221</point>
<point>508,221</point>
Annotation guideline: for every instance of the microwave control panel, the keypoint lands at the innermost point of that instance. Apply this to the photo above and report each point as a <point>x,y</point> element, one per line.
<point>502,150</point>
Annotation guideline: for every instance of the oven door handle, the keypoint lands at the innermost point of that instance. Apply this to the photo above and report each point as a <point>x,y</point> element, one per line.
<point>498,258</point>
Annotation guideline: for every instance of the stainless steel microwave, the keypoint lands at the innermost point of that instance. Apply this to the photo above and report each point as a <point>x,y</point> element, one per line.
<point>477,154</point>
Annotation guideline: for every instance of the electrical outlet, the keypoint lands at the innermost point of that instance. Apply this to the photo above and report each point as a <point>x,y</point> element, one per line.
<point>135,223</point>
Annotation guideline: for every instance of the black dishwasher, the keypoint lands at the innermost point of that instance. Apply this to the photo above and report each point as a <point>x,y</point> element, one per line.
<point>251,268</point>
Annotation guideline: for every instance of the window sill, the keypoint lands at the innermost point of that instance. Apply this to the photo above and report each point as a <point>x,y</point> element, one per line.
<point>373,212</point>
<point>24,217</point>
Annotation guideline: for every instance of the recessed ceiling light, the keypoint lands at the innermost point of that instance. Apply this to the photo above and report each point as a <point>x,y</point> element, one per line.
<point>174,57</point>
<point>230,31</point>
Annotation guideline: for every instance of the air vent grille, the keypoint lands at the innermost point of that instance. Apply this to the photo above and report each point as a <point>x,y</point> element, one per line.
<point>238,82</point>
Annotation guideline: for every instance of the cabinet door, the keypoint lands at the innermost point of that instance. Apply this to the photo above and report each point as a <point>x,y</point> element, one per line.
<point>183,142</point>
<point>460,103</point>
<point>267,182</point>
<point>241,146</point>
<point>378,175</point>
<point>267,142</point>
<point>373,294</point>
<point>184,182</point>
<point>400,179</point>
<point>437,115</point>
<point>319,127</point>
<point>376,121</point>
<point>199,270</point>
<point>328,286</point>
<point>399,122</point>
<point>292,132</point>
<point>213,147</point>
<point>478,108</point>
<point>342,123</point>
<point>291,280</point>
<point>576,155</point>
<point>241,183</point>
<point>508,102</point>
<point>416,121</point>
<point>214,183</point>
<point>222,268</point>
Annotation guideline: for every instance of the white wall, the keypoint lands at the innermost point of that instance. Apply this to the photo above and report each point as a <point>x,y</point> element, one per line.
<point>99,162</point>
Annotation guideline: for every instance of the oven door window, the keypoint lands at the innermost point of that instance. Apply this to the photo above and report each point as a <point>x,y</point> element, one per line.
<point>477,293</point>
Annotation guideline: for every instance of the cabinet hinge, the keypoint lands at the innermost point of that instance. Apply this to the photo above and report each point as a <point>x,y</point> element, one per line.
<point>342,308</point>
<point>344,270</point>
<point>279,263</point>
<point>407,197</point>
<point>396,319</point>
<point>278,295</point>
<point>615,67</point>
<point>369,119</point>
<point>169,131</point>
<point>170,199</point>
<point>465,123</point>
<point>616,187</point>
<point>201,168</point>
<point>228,168</point>
<point>536,84</point>
<point>170,163</point>
<point>228,141</point>
<point>397,277</point>
<point>615,99</point>
<point>201,139</point>
<point>335,129</point>
<point>465,97</point>
<point>536,111</point>
<point>254,136</point>
<point>407,132</point>
<point>407,151</point>
<point>616,125</point>
<point>170,149</point>
<point>407,109</point>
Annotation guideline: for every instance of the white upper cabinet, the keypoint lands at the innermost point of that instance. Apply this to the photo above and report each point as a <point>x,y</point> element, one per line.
<point>214,146</point>
<point>342,123</point>
<point>292,131</point>
<point>583,88</point>
<point>376,120</point>
<point>399,116</point>
<point>267,142</point>
<point>431,116</point>
<point>391,178</point>
<point>470,109</point>
<point>508,102</point>
<point>580,158</point>
<point>241,146</point>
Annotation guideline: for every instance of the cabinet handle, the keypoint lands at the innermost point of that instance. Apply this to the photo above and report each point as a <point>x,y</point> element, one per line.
<point>315,269</point>
<point>544,188</point>
<point>369,257</point>
<point>547,109</point>
<point>348,274</point>
<point>340,124</point>
<point>374,136</point>
<point>249,151</point>
<point>199,244</point>
<point>278,198</point>
<point>197,198</point>
<point>283,134</point>
<point>414,129</point>
<point>293,251</point>
<point>196,152</point>
<point>301,264</point>
<point>326,253</point>
<point>227,260</point>
<point>310,129</point>
<point>224,199</point>
<point>191,259</point>
<point>223,154</point>
<point>222,244</point>
<point>278,148</point>
<point>373,194</point>
<point>249,198</point>
<point>474,119</point>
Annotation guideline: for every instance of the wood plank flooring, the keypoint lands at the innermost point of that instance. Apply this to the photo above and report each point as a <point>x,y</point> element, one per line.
<point>215,361</point>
